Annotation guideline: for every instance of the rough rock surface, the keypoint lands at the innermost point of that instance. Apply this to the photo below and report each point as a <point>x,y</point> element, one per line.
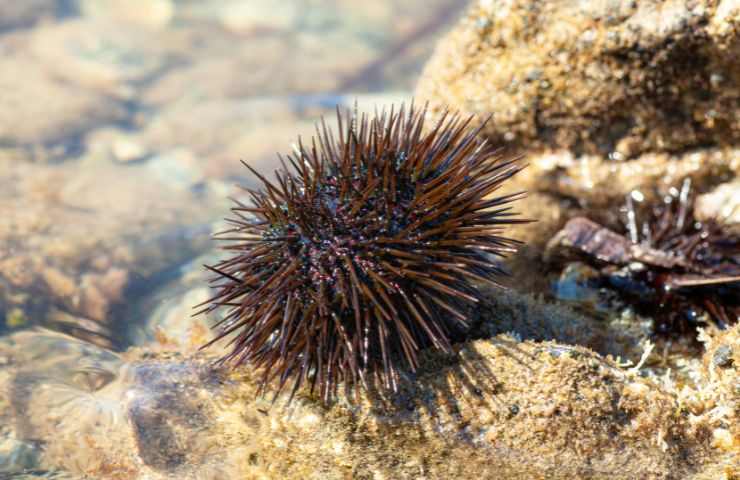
<point>503,409</point>
<point>594,77</point>
<point>601,97</point>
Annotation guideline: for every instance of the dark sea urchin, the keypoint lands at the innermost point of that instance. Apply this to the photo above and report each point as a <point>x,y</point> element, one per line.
<point>666,263</point>
<point>373,247</point>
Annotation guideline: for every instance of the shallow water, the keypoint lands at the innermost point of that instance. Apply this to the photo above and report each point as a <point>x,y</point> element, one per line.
<point>121,130</point>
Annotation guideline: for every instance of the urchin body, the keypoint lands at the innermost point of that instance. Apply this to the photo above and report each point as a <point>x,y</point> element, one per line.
<point>366,249</point>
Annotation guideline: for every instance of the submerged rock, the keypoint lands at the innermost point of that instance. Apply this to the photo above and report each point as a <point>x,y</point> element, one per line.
<point>40,111</point>
<point>26,14</point>
<point>71,246</point>
<point>501,409</point>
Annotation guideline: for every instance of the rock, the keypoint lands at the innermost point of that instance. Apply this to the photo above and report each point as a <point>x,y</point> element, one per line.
<point>723,203</point>
<point>75,237</point>
<point>60,284</point>
<point>504,409</point>
<point>168,310</point>
<point>258,15</point>
<point>601,77</point>
<point>40,110</point>
<point>178,168</point>
<point>599,183</point>
<point>717,401</point>
<point>17,456</point>
<point>723,356</point>
<point>126,150</point>
<point>26,13</point>
<point>121,146</point>
<point>531,318</point>
<point>602,98</point>
<point>102,56</point>
<point>228,130</point>
<point>148,13</point>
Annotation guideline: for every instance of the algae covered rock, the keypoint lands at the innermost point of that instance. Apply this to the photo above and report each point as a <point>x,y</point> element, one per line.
<point>603,97</point>
<point>594,77</point>
<point>721,392</point>
<point>500,409</point>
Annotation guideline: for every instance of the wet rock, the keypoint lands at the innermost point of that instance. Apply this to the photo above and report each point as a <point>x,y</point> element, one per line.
<point>74,240</point>
<point>332,47</point>
<point>178,168</point>
<point>717,401</point>
<point>17,456</point>
<point>148,13</point>
<point>601,77</point>
<point>39,110</point>
<point>223,130</point>
<point>723,356</point>
<point>503,409</point>
<point>531,318</point>
<point>259,15</point>
<point>119,145</point>
<point>168,311</point>
<point>104,56</point>
<point>26,13</point>
<point>603,98</point>
<point>595,182</point>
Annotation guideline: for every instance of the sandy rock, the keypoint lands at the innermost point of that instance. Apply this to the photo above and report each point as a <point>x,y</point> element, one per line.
<point>723,202</point>
<point>503,409</point>
<point>602,98</point>
<point>721,363</point>
<point>598,77</point>
<point>595,182</point>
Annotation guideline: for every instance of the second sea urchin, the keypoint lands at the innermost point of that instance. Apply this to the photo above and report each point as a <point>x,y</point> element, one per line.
<point>671,267</point>
<point>365,249</point>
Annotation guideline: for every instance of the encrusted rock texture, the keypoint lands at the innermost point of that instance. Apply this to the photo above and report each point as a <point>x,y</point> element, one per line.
<point>603,96</point>
<point>595,77</point>
<point>501,409</point>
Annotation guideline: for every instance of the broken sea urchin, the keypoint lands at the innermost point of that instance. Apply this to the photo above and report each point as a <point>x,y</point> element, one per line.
<point>373,247</point>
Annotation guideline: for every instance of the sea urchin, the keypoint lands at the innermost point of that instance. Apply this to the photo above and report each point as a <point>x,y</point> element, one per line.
<point>373,247</point>
<point>671,267</point>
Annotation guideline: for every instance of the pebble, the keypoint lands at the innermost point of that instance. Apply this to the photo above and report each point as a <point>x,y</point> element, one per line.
<point>147,13</point>
<point>16,456</point>
<point>723,356</point>
<point>259,14</point>
<point>126,150</point>
<point>60,284</point>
